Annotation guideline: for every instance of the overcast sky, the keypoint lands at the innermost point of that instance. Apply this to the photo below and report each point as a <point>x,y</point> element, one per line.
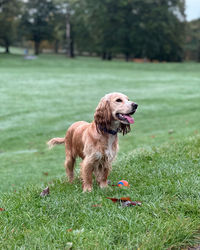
<point>192,9</point>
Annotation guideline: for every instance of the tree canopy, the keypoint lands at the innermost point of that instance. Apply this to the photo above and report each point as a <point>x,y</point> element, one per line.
<point>9,16</point>
<point>153,29</point>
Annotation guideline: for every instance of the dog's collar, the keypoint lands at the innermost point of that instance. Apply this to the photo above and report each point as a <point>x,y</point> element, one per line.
<point>109,131</point>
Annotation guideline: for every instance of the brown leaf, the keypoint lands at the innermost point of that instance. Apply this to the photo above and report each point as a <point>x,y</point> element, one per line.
<point>125,201</point>
<point>45,192</point>
<point>121,199</point>
<point>69,230</point>
<point>45,173</point>
<point>2,209</point>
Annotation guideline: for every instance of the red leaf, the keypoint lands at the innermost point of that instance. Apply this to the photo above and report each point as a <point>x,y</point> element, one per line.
<point>2,209</point>
<point>113,199</point>
<point>125,201</point>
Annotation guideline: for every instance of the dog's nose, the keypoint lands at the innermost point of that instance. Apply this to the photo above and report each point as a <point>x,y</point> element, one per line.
<point>134,105</point>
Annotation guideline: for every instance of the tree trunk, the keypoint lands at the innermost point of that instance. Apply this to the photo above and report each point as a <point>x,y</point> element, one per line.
<point>7,51</point>
<point>71,49</point>
<point>127,57</point>
<point>109,57</point>
<point>103,56</point>
<point>69,39</point>
<point>37,48</point>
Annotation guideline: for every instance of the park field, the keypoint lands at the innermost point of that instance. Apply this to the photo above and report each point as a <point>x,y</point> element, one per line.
<point>41,98</point>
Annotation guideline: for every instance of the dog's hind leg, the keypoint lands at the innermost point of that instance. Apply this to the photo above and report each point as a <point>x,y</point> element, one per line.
<point>69,166</point>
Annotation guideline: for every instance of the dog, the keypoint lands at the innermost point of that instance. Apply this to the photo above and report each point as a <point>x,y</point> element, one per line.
<point>97,142</point>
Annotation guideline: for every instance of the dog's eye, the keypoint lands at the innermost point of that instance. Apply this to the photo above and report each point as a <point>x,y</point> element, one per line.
<point>119,100</point>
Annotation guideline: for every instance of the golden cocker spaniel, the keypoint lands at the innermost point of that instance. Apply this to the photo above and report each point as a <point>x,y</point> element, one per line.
<point>97,143</point>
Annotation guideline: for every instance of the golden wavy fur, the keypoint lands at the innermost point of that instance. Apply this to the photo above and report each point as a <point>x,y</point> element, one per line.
<point>97,142</point>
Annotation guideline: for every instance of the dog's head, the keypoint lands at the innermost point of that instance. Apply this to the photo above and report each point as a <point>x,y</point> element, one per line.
<point>115,110</point>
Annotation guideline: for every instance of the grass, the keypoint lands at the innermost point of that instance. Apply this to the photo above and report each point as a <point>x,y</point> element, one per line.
<point>165,179</point>
<point>41,98</point>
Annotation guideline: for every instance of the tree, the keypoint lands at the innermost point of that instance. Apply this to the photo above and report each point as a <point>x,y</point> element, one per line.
<point>72,14</point>
<point>37,21</point>
<point>192,44</point>
<point>163,30</point>
<point>102,22</point>
<point>9,15</point>
<point>140,28</point>
<point>152,29</point>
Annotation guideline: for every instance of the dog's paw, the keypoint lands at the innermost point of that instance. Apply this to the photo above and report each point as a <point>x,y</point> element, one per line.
<point>103,184</point>
<point>87,188</point>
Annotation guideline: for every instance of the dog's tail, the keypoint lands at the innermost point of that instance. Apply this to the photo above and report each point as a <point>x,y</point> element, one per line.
<point>55,141</point>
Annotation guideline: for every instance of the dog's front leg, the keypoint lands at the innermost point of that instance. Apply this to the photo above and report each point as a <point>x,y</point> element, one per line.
<point>87,167</point>
<point>104,176</point>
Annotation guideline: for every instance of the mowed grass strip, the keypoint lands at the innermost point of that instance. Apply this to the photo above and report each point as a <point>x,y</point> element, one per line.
<point>40,99</point>
<point>166,179</point>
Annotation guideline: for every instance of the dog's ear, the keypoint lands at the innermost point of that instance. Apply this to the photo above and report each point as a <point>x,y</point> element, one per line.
<point>103,116</point>
<point>124,129</point>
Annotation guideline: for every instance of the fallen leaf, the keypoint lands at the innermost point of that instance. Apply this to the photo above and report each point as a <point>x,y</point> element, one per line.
<point>45,192</point>
<point>45,173</point>
<point>113,199</point>
<point>69,230</point>
<point>2,209</point>
<point>125,201</point>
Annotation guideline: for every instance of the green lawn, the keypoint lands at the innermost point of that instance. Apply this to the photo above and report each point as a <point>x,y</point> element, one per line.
<point>40,98</point>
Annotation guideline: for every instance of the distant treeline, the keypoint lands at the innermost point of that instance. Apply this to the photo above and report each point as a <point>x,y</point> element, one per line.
<point>151,29</point>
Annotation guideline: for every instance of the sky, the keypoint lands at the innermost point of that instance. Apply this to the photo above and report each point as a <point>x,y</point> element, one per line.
<point>192,9</point>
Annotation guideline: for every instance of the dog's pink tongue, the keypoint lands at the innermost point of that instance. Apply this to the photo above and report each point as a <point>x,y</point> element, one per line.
<point>129,118</point>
